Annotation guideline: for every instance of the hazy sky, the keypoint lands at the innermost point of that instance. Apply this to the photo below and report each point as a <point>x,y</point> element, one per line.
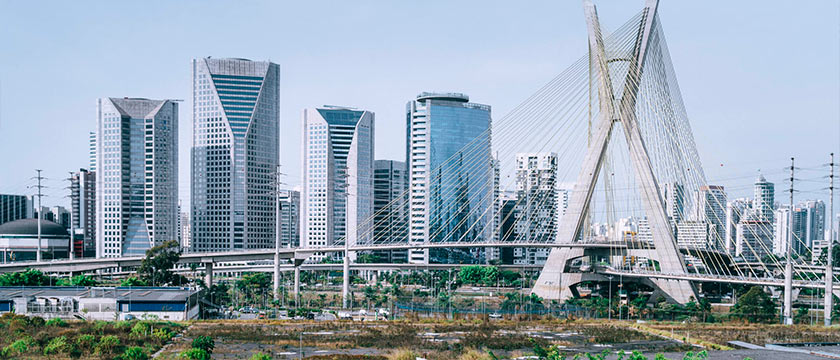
<point>760,79</point>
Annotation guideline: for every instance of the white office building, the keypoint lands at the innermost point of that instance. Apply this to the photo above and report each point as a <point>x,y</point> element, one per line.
<point>137,177</point>
<point>236,139</point>
<point>337,198</point>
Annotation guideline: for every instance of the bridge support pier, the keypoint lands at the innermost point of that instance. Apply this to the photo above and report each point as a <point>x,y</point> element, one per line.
<point>276,287</point>
<point>345,287</point>
<point>208,274</point>
<point>297,284</point>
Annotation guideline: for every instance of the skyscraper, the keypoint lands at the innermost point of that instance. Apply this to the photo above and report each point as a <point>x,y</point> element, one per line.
<point>337,176</point>
<point>83,204</point>
<point>537,205</point>
<point>289,218</point>
<point>390,207</point>
<point>451,174</point>
<point>236,112</point>
<point>15,207</point>
<point>763,201</point>
<point>137,177</point>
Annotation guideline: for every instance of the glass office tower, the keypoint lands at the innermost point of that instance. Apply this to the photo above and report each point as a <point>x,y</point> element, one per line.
<point>137,175</point>
<point>451,175</point>
<point>235,152</point>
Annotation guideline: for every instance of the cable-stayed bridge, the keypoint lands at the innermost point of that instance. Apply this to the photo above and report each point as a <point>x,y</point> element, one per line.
<point>617,134</point>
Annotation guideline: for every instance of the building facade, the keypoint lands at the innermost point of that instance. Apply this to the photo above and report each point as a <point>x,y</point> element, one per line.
<point>15,207</point>
<point>451,179</point>
<point>390,208</point>
<point>711,208</point>
<point>137,158</point>
<point>337,198</point>
<point>289,218</point>
<point>735,210</point>
<point>83,208</point>
<point>763,200</point>
<point>537,205</point>
<point>236,146</point>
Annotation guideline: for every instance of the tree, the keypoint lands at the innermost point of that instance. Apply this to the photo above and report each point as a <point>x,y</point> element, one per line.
<point>367,259</point>
<point>755,306</point>
<point>156,268</point>
<point>370,293</point>
<point>81,280</point>
<point>835,256</point>
<point>132,281</point>
<point>28,277</point>
<point>253,285</point>
<point>218,294</point>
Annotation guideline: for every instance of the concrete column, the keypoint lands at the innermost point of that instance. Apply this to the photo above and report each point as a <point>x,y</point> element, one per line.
<point>345,287</point>
<point>276,276</point>
<point>208,274</point>
<point>297,284</point>
<point>788,309</point>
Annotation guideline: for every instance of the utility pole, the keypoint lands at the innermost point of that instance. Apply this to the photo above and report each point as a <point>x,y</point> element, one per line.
<point>40,215</point>
<point>788,264</point>
<point>829,264</point>
<point>277,234</point>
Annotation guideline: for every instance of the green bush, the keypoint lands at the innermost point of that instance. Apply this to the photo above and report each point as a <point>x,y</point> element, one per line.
<point>205,343</point>
<point>107,345</point>
<point>134,353</point>
<point>260,356</point>
<point>57,345</point>
<point>162,334</point>
<point>35,321</point>
<point>194,354</point>
<point>86,342</point>
<point>21,346</point>
<point>140,329</point>
<point>56,322</point>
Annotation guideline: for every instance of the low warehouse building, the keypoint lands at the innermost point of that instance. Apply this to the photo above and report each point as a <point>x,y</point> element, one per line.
<point>101,303</point>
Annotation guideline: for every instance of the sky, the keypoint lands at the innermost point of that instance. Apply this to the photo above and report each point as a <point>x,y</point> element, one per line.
<point>760,79</point>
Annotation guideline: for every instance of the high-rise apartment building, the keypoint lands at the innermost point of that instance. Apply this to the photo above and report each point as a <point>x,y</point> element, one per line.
<point>735,210</point>
<point>236,138</point>
<point>451,177</point>
<point>711,208</point>
<point>537,205</point>
<point>763,200</point>
<point>755,240</point>
<point>137,176</point>
<point>390,208</point>
<point>337,198</point>
<point>814,220</point>
<point>289,218</point>
<point>781,230</point>
<point>674,196</point>
<point>15,207</point>
<point>83,208</point>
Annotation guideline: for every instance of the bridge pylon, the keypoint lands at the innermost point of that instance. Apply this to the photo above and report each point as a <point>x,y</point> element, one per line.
<point>558,278</point>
